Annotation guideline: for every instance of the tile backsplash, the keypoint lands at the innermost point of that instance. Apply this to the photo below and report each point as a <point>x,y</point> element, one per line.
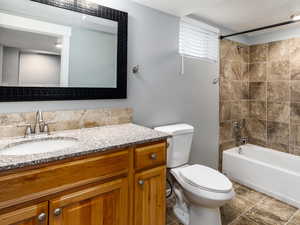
<point>65,120</point>
<point>272,109</point>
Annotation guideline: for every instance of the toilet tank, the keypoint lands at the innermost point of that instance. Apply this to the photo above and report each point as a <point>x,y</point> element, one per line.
<point>179,148</point>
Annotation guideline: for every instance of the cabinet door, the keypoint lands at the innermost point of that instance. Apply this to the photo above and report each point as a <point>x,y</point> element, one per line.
<point>150,200</point>
<point>104,204</point>
<point>32,215</point>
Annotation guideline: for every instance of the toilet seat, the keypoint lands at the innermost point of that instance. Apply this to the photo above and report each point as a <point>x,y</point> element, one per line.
<point>205,178</point>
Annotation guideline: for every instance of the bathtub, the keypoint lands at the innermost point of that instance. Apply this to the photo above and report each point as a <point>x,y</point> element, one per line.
<point>274,173</point>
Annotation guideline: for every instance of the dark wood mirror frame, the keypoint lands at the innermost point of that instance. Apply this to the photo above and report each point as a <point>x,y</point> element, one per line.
<point>10,94</point>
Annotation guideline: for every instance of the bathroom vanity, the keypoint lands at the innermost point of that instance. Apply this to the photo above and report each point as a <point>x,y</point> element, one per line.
<point>115,175</point>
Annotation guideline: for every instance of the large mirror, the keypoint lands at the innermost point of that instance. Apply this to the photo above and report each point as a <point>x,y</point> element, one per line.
<point>62,49</point>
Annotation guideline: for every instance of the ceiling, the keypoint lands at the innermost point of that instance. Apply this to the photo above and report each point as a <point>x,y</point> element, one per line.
<point>28,41</point>
<point>234,15</point>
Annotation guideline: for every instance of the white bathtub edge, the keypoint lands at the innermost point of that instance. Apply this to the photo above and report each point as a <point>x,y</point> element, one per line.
<point>267,192</point>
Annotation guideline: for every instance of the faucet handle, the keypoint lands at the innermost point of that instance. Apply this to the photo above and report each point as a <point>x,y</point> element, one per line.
<point>28,129</point>
<point>46,127</point>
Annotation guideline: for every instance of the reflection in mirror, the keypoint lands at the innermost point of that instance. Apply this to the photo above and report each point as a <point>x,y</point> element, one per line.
<point>81,52</point>
<point>29,59</point>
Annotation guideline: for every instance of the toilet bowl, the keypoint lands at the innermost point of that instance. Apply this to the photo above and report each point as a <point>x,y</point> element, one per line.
<point>200,191</point>
<point>204,191</point>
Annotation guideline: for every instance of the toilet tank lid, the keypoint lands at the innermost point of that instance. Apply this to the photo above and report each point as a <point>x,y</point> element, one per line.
<point>176,129</point>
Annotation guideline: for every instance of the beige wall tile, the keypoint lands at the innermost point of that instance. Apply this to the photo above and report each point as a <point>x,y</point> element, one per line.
<point>295,69</point>
<point>226,131</point>
<point>278,91</point>
<point>234,88</point>
<point>258,142</point>
<point>258,110</point>
<point>295,112</point>
<point>258,53</point>
<point>257,91</point>
<point>294,48</point>
<point>239,110</point>
<point>258,72</point>
<point>279,50</point>
<point>295,135</point>
<point>279,112</point>
<point>226,91</point>
<point>225,48</point>
<point>225,111</point>
<point>279,70</point>
<point>295,220</point>
<point>278,133</point>
<point>257,129</point>
<point>295,91</point>
<point>295,58</point>
<point>232,70</point>
<point>64,120</point>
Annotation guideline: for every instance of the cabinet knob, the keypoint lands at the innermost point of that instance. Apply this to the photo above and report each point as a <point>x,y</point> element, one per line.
<point>153,156</point>
<point>57,211</point>
<point>141,182</point>
<point>42,217</point>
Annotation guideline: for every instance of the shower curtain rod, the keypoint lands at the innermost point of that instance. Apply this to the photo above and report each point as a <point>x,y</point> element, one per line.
<point>260,28</point>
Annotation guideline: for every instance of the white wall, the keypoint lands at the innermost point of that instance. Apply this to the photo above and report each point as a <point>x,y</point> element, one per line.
<point>159,94</point>
<point>39,69</point>
<point>94,54</point>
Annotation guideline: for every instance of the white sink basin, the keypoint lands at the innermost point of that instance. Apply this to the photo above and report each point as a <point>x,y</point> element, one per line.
<point>38,146</point>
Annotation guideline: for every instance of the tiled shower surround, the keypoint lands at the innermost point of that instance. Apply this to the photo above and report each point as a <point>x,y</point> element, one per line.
<point>261,84</point>
<point>234,89</point>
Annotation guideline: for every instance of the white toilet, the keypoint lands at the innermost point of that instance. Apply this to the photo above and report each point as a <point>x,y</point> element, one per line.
<point>200,190</point>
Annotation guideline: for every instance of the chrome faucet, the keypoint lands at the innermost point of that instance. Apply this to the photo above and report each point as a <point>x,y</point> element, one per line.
<point>244,140</point>
<point>40,126</point>
<point>240,139</point>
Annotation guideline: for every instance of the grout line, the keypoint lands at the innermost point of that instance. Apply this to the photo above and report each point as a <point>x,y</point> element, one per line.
<point>266,92</point>
<point>247,210</point>
<point>290,99</point>
<point>292,217</point>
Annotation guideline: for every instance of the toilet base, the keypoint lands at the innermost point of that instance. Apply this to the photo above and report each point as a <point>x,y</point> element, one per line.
<point>204,216</point>
<point>182,216</point>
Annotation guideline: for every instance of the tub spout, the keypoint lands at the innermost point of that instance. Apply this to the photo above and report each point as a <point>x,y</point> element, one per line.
<point>244,141</point>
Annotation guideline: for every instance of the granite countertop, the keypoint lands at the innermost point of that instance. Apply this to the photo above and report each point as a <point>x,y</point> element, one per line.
<point>90,140</point>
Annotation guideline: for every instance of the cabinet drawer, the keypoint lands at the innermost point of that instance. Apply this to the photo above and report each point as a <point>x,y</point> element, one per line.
<point>150,156</point>
<point>33,184</point>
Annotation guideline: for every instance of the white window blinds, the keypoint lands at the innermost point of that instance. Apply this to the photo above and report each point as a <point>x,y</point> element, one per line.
<point>198,40</point>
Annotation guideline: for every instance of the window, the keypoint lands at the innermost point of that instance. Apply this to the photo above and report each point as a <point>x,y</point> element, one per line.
<point>198,40</point>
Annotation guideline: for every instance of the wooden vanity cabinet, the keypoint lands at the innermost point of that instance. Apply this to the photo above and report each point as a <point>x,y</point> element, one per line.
<point>150,182</point>
<point>32,215</point>
<point>149,197</point>
<point>124,187</point>
<point>104,204</point>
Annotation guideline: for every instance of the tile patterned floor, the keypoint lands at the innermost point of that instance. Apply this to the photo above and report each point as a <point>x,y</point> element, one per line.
<point>251,208</point>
